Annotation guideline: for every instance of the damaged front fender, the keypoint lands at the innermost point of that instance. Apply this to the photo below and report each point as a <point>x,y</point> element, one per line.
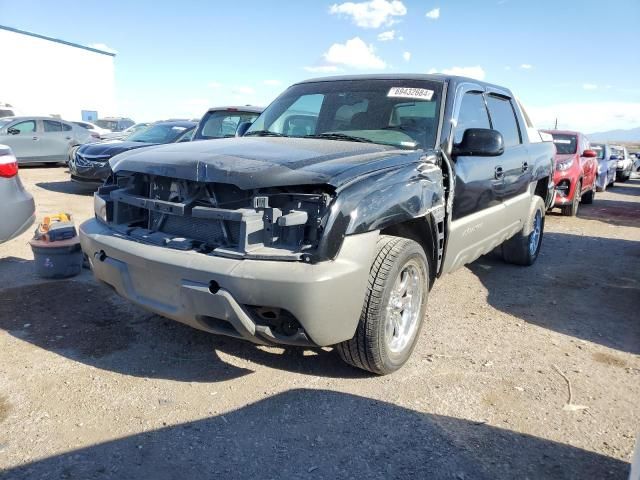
<point>383,199</point>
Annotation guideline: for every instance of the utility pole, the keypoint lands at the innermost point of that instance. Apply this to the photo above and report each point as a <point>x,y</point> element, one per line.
<point>556,127</point>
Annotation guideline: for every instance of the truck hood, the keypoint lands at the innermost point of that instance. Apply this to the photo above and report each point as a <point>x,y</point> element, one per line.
<point>110,148</point>
<point>258,162</point>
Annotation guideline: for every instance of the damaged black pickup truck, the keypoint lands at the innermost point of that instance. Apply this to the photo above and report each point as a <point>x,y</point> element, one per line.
<point>329,219</point>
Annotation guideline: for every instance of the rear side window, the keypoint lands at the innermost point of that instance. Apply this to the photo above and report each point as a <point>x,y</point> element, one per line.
<point>221,124</point>
<point>66,127</point>
<point>473,114</point>
<point>504,120</point>
<point>52,126</point>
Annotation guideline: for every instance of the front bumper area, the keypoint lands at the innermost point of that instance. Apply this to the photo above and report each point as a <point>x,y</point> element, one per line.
<point>86,171</point>
<point>218,294</point>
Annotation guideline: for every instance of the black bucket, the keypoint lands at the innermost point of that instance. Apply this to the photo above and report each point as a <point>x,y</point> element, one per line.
<point>53,261</point>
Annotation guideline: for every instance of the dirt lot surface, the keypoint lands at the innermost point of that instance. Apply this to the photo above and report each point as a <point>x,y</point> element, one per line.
<point>92,387</point>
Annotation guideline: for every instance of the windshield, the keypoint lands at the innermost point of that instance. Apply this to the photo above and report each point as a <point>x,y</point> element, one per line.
<point>108,124</point>
<point>599,149</point>
<point>162,133</point>
<point>617,151</point>
<point>565,143</point>
<point>222,123</point>
<point>401,113</point>
<point>5,121</point>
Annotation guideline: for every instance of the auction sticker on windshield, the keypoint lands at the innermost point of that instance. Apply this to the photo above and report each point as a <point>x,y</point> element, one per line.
<point>410,92</point>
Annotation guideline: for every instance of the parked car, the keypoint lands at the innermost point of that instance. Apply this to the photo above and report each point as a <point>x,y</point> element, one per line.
<point>13,198</point>
<point>636,162</point>
<point>126,132</point>
<point>606,166</point>
<point>624,168</point>
<point>90,164</point>
<point>576,169</point>
<point>222,122</point>
<point>282,238</point>
<point>115,124</point>
<point>98,132</point>
<point>6,110</point>
<point>41,139</point>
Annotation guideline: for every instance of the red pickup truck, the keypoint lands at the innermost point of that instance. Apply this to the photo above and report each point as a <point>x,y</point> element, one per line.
<point>576,171</point>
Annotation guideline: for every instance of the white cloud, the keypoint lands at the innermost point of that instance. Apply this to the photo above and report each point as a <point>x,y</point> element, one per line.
<point>215,85</point>
<point>589,86</point>
<point>386,36</point>
<point>476,72</point>
<point>372,14</point>
<point>406,56</point>
<point>526,66</point>
<point>587,117</point>
<point>354,53</point>
<point>103,47</point>
<point>243,91</point>
<point>433,14</point>
<point>272,83</point>
<point>322,69</point>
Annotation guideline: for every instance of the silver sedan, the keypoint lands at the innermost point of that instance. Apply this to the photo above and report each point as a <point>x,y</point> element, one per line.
<point>13,198</point>
<point>41,139</point>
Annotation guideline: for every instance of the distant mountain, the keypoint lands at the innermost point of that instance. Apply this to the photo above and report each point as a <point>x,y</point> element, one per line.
<point>631,135</point>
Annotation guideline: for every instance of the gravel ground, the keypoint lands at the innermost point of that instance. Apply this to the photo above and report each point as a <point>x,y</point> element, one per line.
<point>92,387</point>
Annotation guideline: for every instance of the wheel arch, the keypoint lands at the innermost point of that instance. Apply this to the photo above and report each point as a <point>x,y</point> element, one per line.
<point>428,232</point>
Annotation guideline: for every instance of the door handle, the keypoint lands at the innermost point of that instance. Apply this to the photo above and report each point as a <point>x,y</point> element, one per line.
<point>525,166</point>
<point>34,138</point>
<point>499,172</point>
<point>67,138</point>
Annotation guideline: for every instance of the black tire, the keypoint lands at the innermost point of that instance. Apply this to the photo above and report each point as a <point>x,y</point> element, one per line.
<point>518,249</point>
<point>369,348</point>
<point>622,178</point>
<point>571,210</point>
<point>588,197</point>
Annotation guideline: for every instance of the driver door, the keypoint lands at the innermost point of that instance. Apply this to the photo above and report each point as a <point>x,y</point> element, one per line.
<point>23,138</point>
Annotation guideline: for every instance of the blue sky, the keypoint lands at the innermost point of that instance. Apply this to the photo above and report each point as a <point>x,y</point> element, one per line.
<point>578,60</point>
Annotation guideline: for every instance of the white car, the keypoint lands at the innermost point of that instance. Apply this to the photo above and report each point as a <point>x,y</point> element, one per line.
<point>126,132</point>
<point>93,128</point>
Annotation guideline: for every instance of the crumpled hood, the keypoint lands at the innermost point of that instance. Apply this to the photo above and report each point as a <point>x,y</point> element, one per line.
<point>257,162</point>
<point>110,148</point>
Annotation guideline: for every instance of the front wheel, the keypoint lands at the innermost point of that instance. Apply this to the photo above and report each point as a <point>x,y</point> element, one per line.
<point>394,308</point>
<point>588,197</point>
<point>524,247</point>
<point>571,210</point>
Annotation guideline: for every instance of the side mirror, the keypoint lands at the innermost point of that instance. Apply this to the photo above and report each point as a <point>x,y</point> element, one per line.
<point>242,128</point>
<point>480,142</point>
<point>13,131</point>
<point>589,153</point>
<point>615,157</point>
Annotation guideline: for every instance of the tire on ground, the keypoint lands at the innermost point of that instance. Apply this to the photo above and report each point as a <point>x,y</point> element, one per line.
<point>368,349</point>
<point>571,210</point>
<point>517,249</point>
<point>588,197</point>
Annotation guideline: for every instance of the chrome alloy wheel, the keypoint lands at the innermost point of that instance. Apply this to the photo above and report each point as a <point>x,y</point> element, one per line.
<point>403,309</point>
<point>534,238</point>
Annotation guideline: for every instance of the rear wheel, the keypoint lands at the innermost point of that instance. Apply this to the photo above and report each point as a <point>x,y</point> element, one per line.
<point>524,247</point>
<point>571,210</point>
<point>394,308</point>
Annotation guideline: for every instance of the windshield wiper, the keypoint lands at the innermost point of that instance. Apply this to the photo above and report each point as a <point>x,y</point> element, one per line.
<point>340,136</point>
<point>264,133</point>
